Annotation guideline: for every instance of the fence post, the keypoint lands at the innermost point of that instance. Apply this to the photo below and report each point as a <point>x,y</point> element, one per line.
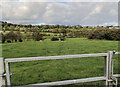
<point>109,69</point>
<point>8,73</point>
<point>2,70</point>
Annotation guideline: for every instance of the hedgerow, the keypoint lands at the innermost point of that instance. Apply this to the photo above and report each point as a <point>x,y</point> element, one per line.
<point>107,34</point>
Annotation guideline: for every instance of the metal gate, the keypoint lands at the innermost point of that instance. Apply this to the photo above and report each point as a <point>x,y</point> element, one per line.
<point>109,78</point>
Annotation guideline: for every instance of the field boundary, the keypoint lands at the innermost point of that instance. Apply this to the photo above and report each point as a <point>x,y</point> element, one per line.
<point>109,78</point>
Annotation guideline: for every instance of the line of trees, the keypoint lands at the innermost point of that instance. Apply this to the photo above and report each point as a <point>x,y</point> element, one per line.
<point>107,34</point>
<point>12,36</point>
<point>60,31</point>
<point>17,27</point>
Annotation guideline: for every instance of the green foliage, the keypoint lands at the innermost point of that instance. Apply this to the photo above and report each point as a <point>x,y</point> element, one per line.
<point>11,36</point>
<point>3,38</point>
<point>63,31</point>
<point>54,39</point>
<point>19,35</point>
<point>62,38</point>
<point>74,34</point>
<point>40,31</point>
<point>55,30</point>
<point>37,36</point>
<point>107,34</point>
<point>28,36</point>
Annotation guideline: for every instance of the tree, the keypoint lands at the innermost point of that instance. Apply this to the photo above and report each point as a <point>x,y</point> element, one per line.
<point>3,38</point>
<point>11,35</point>
<point>17,28</point>
<point>11,27</point>
<point>55,30</point>
<point>63,31</point>
<point>37,36</point>
<point>36,28</point>
<point>5,28</point>
<point>19,36</point>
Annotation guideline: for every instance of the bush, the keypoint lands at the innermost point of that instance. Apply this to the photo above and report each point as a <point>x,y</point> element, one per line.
<point>28,37</point>
<point>15,40</point>
<point>107,34</point>
<point>3,41</point>
<point>19,35</point>
<point>20,40</point>
<point>48,34</point>
<point>54,39</point>
<point>37,36</point>
<point>62,38</point>
<point>11,36</point>
<point>44,34</point>
<point>8,41</point>
<point>3,38</point>
<point>71,35</point>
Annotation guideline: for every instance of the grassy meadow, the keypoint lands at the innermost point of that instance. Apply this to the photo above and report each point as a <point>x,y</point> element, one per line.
<point>56,70</point>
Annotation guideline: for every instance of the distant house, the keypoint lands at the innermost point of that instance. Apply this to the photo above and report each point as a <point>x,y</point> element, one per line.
<point>114,27</point>
<point>110,27</point>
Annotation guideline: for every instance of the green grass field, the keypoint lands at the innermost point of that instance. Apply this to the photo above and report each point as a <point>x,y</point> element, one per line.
<point>56,70</point>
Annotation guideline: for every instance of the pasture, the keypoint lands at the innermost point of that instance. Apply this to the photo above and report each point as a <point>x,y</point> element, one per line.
<point>56,70</point>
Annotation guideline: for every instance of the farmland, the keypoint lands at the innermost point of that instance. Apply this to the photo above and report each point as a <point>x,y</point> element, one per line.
<point>51,40</point>
<point>56,70</point>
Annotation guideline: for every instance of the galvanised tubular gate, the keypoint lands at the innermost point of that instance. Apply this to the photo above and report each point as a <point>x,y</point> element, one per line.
<point>109,78</point>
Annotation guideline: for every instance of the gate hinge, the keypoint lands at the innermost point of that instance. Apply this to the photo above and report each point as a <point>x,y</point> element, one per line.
<point>113,80</point>
<point>3,75</point>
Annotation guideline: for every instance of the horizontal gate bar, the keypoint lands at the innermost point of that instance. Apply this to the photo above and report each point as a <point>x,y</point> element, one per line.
<point>67,82</point>
<point>117,52</point>
<point>116,75</point>
<point>55,57</point>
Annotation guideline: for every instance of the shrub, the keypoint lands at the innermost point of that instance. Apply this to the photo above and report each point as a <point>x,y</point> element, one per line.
<point>3,41</point>
<point>55,30</point>
<point>44,34</point>
<point>62,38</point>
<point>107,34</point>
<point>48,34</point>
<point>28,37</point>
<point>71,35</point>
<point>19,35</point>
<point>20,40</point>
<point>11,35</point>
<point>3,38</point>
<point>114,34</point>
<point>37,36</point>
<point>74,34</point>
<point>54,39</point>
<point>15,40</point>
<point>99,34</point>
<point>8,41</point>
<point>55,35</point>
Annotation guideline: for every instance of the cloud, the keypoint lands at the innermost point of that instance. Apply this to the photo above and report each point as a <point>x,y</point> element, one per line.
<point>70,13</point>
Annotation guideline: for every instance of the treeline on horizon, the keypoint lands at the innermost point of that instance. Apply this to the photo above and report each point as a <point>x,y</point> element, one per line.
<point>15,32</point>
<point>50,26</point>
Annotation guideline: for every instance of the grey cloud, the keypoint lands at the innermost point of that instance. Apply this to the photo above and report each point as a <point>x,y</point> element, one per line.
<point>70,13</point>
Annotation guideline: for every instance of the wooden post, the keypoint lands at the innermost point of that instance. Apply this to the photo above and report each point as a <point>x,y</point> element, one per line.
<point>109,69</point>
<point>8,73</point>
<point>2,70</point>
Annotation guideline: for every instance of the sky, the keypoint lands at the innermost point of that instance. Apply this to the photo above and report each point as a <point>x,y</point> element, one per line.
<point>60,12</point>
